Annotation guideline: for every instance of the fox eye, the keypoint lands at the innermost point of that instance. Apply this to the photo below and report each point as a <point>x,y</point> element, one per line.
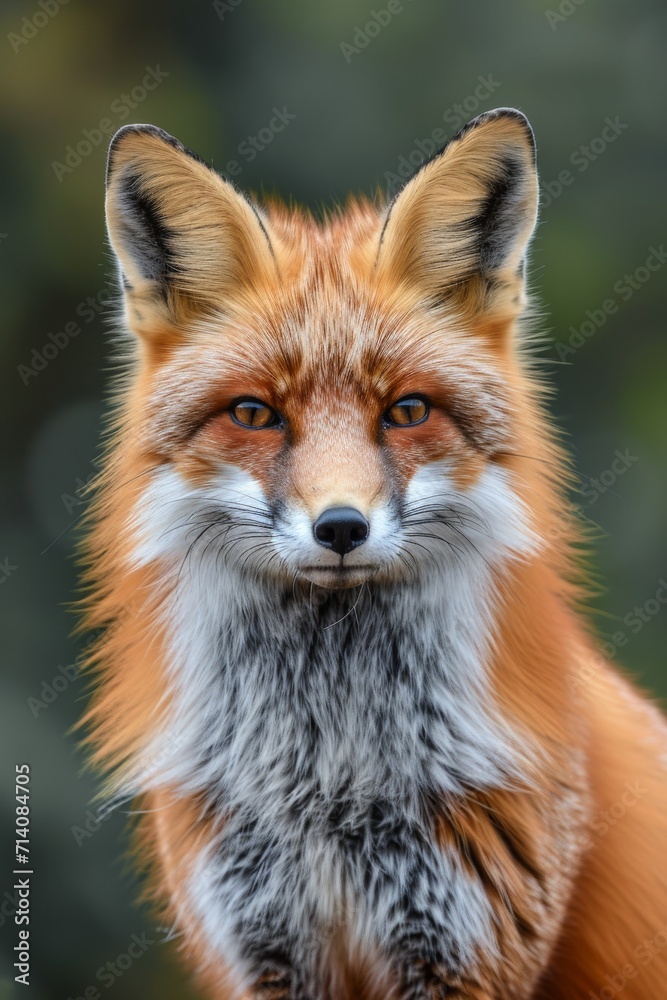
<point>255,414</point>
<point>406,412</point>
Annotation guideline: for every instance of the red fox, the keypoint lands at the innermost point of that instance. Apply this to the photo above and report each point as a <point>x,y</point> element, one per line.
<point>342,663</point>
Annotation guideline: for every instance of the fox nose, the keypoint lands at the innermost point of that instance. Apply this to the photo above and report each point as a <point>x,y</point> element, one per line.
<point>341,529</point>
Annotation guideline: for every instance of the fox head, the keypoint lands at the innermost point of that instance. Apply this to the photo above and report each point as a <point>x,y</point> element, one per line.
<point>338,400</point>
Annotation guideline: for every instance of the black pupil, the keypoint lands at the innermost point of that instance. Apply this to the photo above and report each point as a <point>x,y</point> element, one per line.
<point>413,410</point>
<point>251,414</point>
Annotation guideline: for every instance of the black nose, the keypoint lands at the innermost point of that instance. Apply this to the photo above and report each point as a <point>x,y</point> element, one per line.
<point>341,529</point>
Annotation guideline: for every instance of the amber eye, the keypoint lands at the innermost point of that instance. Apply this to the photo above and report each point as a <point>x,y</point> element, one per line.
<point>253,413</point>
<point>406,412</point>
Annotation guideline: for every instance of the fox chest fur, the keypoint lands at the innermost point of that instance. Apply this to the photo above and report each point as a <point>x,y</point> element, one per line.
<point>323,730</point>
<point>326,732</point>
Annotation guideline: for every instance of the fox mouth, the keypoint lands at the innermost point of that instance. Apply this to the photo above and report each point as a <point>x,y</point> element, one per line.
<point>340,576</point>
<point>338,569</point>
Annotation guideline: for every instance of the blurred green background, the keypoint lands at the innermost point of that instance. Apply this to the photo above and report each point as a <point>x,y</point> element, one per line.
<point>364,104</point>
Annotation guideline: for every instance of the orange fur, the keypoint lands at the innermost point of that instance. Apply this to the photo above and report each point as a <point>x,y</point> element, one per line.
<point>352,271</point>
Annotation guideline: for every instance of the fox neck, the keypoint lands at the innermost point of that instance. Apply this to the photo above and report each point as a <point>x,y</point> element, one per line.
<point>284,699</point>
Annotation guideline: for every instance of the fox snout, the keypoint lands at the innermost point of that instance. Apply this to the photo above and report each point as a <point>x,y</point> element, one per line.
<point>339,541</point>
<point>341,529</point>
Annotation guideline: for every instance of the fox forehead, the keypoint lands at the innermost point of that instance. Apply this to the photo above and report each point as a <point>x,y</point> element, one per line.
<point>330,363</point>
<point>329,337</point>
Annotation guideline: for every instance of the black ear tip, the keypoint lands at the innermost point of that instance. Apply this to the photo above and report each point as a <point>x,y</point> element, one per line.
<point>521,119</point>
<point>151,130</point>
<point>498,113</point>
<point>129,130</point>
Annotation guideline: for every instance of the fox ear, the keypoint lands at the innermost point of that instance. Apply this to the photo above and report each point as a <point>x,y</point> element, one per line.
<point>185,239</point>
<point>460,227</point>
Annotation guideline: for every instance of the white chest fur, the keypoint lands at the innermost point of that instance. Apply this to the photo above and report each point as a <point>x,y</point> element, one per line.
<point>318,726</point>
